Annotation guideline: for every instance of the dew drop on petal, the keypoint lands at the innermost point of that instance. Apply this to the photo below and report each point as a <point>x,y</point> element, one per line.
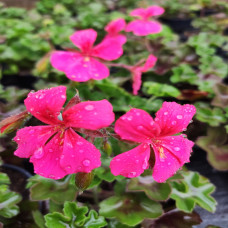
<point>179,117</point>
<point>166,113</point>
<point>177,148</point>
<point>63,96</point>
<point>51,176</point>
<point>31,131</point>
<point>50,150</point>
<point>39,153</point>
<point>174,122</point>
<point>140,127</point>
<point>86,162</point>
<point>89,107</point>
<point>79,143</point>
<point>145,164</point>
<point>137,113</point>
<point>132,174</point>
<point>129,118</point>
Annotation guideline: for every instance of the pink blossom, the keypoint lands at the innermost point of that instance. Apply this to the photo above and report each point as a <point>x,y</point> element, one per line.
<point>114,28</point>
<point>85,64</point>
<point>155,136</point>
<point>56,149</point>
<point>138,70</point>
<point>144,26</point>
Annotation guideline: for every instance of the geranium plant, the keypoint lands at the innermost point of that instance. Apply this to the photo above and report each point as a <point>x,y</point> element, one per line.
<point>109,123</point>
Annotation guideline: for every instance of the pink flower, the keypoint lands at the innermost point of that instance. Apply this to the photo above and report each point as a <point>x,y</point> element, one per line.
<point>114,28</point>
<point>155,136</point>
<point>144,26</point>
<point>138,70</point>
<point>83,65</point>
<point>56,149</point>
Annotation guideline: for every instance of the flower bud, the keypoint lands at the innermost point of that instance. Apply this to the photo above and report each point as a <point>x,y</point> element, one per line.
<point>83,180</point>
<point>107,148</point>
<point>13,122</point>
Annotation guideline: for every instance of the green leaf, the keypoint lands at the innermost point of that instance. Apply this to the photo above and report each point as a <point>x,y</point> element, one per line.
<point>130,209</point>
<point>177,219</point>
<point>221,95</point>
<point>74,217</point>
<point>216,147</point>
<point>155,191</point>
<point>160,90</point>
<point>8,199</point>
<point>194,189</point>
<point>57,190</point>
<point>214,117</point>
<point>39,219</point>
<point>183,73</point>
<point>94,221</point>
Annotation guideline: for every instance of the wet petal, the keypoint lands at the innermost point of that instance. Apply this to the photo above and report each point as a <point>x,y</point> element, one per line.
<point>170,155</point>
<point>137,75</point>
<point>143,28</point>
<point>86,68</point>
<point>121,39</point>
<point>131,163</point>
<point>137,125</point>
<point>155,11</point>
<point>63,60</point>
<point>79,155</point>
<point>90,115</point>
<point>174,118</point>
<point>46,104</point>
<point>109,49</point>
<point>84,39</point>
<point>29,139</point>
<point>46,159</point>
<point>115,26</point>
<point>150,62</point>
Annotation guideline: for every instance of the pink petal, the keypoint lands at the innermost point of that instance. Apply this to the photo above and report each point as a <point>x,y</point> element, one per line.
<point>137,125</point>
<point>109,49</point>
<point>115,26</point>
<point>155,11</point>
<point>63,60</point>
<point>46,159</point>
<point>131,163</point>
<point>143,28</point>
<point>84,39</point>
<point>29,139</point>
<point>150,62</point>
<point>174,118</point>
<point>170,155</point>
<point>139,12</point>
<point>46,104</point>
<point>137,75</point>
<point>86,68</point>
<point>121,39</point>
<point>148,12</point>
<point>79,155</point>
<point>90,115</point>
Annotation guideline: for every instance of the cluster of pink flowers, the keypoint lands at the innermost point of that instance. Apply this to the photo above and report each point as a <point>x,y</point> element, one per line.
<point>86,63</point>
<point>57,150</point>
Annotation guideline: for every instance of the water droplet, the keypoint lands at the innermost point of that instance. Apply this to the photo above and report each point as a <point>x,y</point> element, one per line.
<point>177,148</point>
<point>63,96</point>
<point>174,122</point>
<point>169,163</point>
<point>57,159</point>
<point>140,127</point>
<point>72,155</point>
<point>179,117</point>
<point>86,162</point>
<point>68,167</point>
<point>39,153</point>
<point>31,131</point>
<point>129,118</point>
<point>50,150</point>
<point>137,113</point>
<point>51,176</point>
<point>145,164</point>
<point>89,107</point>
<point>132,174</point>
<point>79,143</point>
<point>156,119</point>
<point>152,123</point>
<point>191,121</point>
<point>166,113</point>
<point>31,109</point>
